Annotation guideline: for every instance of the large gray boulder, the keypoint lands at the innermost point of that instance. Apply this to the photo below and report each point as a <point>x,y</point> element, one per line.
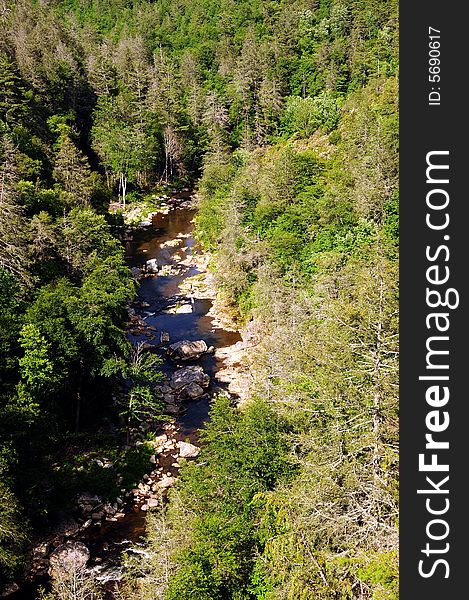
<point>186,350</point>
<point>192,391</point>
<point>189,375</point>
<point>69,557</point>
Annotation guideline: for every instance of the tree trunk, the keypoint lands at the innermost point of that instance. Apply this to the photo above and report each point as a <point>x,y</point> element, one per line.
<point>124,188</point>
<point>78,410</point>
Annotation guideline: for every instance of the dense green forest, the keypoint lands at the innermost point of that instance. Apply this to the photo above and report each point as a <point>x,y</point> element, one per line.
<point>284,115</point>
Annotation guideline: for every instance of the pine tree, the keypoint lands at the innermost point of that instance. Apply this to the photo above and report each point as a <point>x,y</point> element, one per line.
<point>72,171</point>
<point>13,102</point>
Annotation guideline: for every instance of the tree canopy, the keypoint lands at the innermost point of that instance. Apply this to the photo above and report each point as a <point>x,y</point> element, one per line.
<point>284,116</point>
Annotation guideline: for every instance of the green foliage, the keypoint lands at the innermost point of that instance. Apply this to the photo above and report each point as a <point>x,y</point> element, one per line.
<point>13,533</point>
<point>74,332</point>
<point>382,571</point>
<point>213,187</point>
<point>121,143</point>
<point>305,232</point>
<point>72,172</point>
<point>98,311</point>
<point>37,200</point>
<point>134,464</point>
<point>304,116</point>
<point>243,454</point>
<point>140,402</point>
<point>87,236</point>
<point>391,219</point>
<point>37,370</point>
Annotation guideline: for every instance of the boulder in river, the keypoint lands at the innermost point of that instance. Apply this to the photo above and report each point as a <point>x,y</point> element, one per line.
<point>192,391</point>
<point>151,265</point>
<point>69,557</point>
<point>186,350</point>
<point>187,450</point>
<point>192,374</point>
<point>149,347</point>
<point>183,310</point>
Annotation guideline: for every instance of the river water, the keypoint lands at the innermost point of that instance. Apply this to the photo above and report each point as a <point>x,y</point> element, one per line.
<point>170,241</point>
<point>163,291</point>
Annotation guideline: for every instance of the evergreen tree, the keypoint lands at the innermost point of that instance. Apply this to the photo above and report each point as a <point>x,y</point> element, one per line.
<point>72,171</point>
<point>14,104</point>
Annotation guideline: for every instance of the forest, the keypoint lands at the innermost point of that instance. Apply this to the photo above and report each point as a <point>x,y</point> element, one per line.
<point>283,116</point>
